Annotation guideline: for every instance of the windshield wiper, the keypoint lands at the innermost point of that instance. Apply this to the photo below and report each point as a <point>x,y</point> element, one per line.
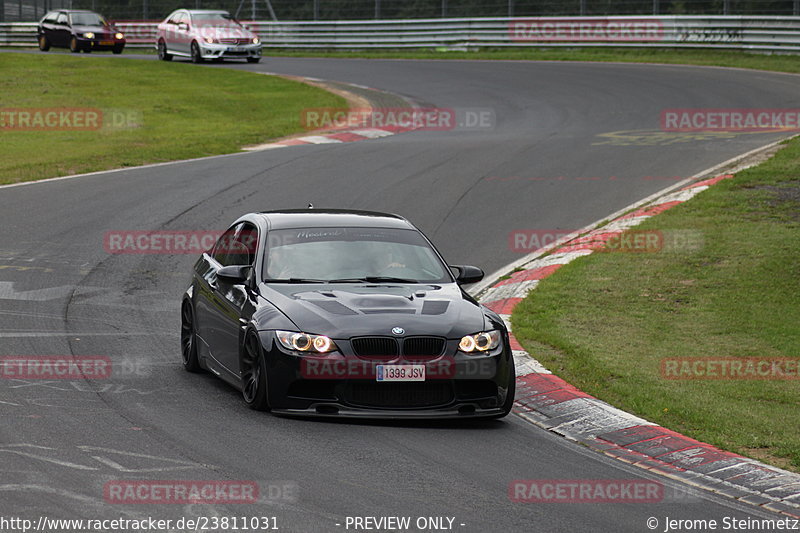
<point>374,279</point>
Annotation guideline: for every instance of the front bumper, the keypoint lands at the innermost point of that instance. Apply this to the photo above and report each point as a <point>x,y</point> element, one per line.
<point>229,51</point>
<point>100,44</point>
<point>333,410</point>
<point>457,385</point>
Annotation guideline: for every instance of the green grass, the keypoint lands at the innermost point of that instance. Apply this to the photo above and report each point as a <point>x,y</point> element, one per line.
<point>180,110</point>
<point>722,58</point>
<point>604,322</point>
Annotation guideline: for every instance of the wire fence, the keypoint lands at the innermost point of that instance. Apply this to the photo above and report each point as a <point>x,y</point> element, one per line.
<point>328,10</point>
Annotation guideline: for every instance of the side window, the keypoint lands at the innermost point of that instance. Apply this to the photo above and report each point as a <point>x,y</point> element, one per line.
<point>51,17</point>
<point>243,249</point>
<point>223,245</point>
<point>62,18</point>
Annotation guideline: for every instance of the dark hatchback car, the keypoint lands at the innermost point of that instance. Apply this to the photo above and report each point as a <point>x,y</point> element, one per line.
<point>344,313</point>
<point>80,31</point>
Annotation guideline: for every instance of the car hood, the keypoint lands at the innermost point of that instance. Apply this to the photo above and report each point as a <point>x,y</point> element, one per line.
<point>342,311</point>
<point>95,28</point>
<point>223,32</point>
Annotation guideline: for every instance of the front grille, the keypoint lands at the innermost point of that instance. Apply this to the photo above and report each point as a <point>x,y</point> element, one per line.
<point>423,346</point>
<point>234,40</point>
<point>375,346</point>
<point>408,395</point>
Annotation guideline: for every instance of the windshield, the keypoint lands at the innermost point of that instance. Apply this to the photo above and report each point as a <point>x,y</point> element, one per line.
<point>87,19</point>
<point>352,255</point>
<point>204,19</point>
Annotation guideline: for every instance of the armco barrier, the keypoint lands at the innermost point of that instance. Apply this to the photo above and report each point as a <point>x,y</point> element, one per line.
<point>758,33</point>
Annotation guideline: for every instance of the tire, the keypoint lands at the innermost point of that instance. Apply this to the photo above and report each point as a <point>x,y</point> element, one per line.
<point>87,51</point>
<point>253,59</point>
<point>189,339</point>
<point>196,57</point>
<point>44,43</point>
<point>73,46</point>
<point>117,50</point>
<point>254,374</point>
<point>509,403</point>
<point>162,52</point>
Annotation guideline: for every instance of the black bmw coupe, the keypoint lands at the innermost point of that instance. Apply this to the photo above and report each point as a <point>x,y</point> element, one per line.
<point>344,313</point>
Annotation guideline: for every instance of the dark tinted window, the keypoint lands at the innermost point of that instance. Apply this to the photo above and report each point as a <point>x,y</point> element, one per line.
<point>87,19</point>
<point>223,245</point>
<point>237,246</point>
<point>243,250</point>
<point>352,253</point>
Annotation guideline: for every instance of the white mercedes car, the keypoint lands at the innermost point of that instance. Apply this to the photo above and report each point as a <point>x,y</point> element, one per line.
<point>206,34</point>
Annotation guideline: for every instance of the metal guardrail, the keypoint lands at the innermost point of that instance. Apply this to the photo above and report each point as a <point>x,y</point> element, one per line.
<point>762,33</point>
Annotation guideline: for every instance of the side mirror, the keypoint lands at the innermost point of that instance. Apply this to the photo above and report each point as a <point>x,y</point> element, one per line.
<point>183,26</point>
<point>467,274</point>
<point>234,274</point>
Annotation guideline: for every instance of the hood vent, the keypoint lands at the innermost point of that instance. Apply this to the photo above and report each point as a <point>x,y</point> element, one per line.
<point>388,311</point>
<point>333,307</point>
<point>435,307</point>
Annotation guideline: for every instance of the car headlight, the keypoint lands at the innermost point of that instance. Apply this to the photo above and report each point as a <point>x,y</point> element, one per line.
<point>209,40</point>
<point>255,40</point>
<point>89,35</point>
<point>304,342</point>
<point>480,342</point>
<point>119,36</point>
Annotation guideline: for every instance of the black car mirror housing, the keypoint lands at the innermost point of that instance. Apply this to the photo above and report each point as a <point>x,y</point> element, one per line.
<point>234,274</point>
<point>467,274</point>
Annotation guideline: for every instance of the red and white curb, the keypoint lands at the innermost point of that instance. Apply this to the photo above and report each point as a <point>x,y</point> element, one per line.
<point>336,137</point>
<point>554,404</point>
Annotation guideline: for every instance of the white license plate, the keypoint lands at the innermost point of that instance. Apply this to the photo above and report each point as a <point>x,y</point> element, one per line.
<point>400,372</point>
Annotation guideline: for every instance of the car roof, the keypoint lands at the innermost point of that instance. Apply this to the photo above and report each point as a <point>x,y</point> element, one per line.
<point>200,11</point>
<point>323,218</point>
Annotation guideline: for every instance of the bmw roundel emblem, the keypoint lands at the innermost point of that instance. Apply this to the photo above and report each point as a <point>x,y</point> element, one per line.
<point>398,331</point>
